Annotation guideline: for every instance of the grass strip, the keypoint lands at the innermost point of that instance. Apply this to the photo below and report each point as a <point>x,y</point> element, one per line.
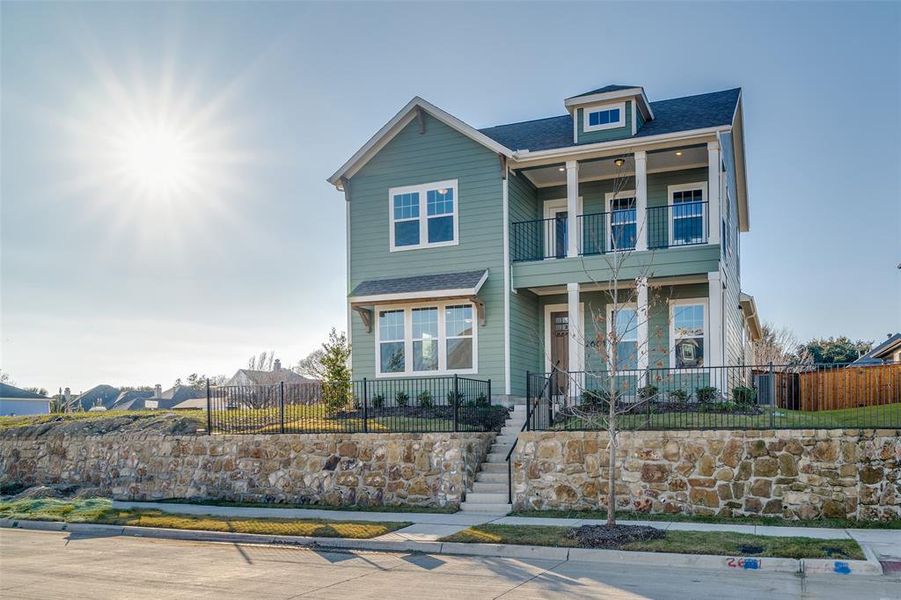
<point>446,510</point>
<point>100,510</point>
<point>737,520</point>
<point>682,542</point>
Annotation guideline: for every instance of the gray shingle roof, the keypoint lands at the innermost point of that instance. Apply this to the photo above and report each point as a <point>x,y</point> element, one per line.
<point>607,88</point>
<point>879,352</point>
<point>11,391</point>
<point>420,283</point>
<point>677,114</point>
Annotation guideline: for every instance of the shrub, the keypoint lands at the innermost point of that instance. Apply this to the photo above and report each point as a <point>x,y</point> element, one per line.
<point>596,398</point>
<point>679,395</point>
<point>378,401</point>
<point>706,394</point>
<point>424,399</point>
<point>647,392</point>
<point>401,398</point>
<point>744,395</point>
<point>454,398</point>
<point>482,400</point>
<point>336,385</point>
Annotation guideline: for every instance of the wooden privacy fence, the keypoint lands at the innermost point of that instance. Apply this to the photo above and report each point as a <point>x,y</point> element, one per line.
<point>845,387</point>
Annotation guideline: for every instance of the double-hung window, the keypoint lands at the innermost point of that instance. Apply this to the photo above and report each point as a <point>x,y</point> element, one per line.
<point>688,224</point>
<point>428,338</point>
<point>424,215</point>
<point>604,117</point>
<point>622,328</point>
<point>688,331</point>
<point>623,221</point>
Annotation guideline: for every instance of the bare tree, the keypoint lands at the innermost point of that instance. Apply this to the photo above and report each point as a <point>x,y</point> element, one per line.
<point>263,362</point>
<point>779,346</point>
<point>311,365</point>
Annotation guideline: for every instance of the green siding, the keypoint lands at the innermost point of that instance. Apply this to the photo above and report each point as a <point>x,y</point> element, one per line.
<point>671,262</point>
<point>604,135</point>
<point>414,158</point>
<point>525,334</point>
<point>733,318</point>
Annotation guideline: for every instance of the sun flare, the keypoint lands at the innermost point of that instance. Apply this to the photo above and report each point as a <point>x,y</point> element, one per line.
<point>155,158</point>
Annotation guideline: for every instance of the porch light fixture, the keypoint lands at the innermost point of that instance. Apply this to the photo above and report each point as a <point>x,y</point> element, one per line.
<point>619,161</point>
<point>561,169</point>
<point>442,191</point>
<point>678,153</point>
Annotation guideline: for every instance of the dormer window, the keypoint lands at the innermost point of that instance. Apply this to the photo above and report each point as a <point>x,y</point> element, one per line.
<point>609,116</point>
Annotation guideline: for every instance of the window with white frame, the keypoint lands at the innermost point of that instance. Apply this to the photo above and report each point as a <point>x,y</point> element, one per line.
<point>608,116</point>
<point>623,220</point>
<point>391,350</point>
<point>624,327</point>
<point>424,215</point>
<point>431,338</point>
<point>687,207</point>
<point>688,330</point>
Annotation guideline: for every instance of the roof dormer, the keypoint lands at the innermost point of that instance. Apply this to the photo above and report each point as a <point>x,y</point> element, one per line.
<point>609,113</point>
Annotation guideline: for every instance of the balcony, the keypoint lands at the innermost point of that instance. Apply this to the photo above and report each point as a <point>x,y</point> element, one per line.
<point>670,226</point>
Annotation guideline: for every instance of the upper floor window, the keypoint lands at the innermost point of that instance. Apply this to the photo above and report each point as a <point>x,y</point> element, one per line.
<point>424,215</point>
<point>687,203</point>
<point>605,117</point>
<point>623,220</point>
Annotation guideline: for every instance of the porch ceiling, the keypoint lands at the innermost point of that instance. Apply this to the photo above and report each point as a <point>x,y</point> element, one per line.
<point>662,160</point>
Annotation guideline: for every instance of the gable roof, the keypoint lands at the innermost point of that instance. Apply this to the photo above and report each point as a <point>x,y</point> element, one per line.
<point>106,394</point>
<point>616,87</point>
<point>879,352</point>
<point>464,283</point>
<point>702,111</point>
<point>11,391</point>
<point>397,123</point>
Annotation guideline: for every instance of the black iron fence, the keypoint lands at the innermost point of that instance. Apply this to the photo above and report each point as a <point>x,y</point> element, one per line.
<point>539,239</point>
<point>683,224</point>
<point>402,405</point>
<point>730,397</point>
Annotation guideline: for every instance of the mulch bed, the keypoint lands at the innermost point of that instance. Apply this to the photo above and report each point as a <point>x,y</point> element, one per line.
<point>602,536</point>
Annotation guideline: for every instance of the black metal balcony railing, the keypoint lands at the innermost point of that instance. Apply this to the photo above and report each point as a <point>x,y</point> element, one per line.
<point>667,226</point>
<point>682,224</point>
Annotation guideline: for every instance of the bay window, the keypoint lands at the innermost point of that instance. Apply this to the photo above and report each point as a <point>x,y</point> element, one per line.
<point>423,216</point>
<point>426,339</point>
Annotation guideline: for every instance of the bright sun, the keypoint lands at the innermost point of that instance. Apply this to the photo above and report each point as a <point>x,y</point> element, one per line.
<point>156,158</point>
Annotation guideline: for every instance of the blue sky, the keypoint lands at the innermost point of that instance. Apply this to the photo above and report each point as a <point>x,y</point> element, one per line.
<point>100,283</point>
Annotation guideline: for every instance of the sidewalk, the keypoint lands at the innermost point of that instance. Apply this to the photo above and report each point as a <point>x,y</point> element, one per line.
<point>884,544</point>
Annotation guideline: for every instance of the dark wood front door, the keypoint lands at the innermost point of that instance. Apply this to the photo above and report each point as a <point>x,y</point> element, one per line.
<point>559,351</point>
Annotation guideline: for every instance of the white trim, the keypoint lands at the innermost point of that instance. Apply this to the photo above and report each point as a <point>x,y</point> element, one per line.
<point>349,321</point>
<point>505,202</point>
<point>442,339</point>
<point>424,295</point>
<point>397,123</point>
<point>672,331</point>
<point>548,309</point>
<point>714,174</point>
<point>634,117</point>
<point>686,187</point>
<point>608,199</point>
<point>522,156</point>
<point>586,110</point>
<point>624,173</point>
<point>423,218</point>
<point>641,200</point>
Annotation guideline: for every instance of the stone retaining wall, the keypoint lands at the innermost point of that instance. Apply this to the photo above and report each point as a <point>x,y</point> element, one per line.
<point>794,474</point>
<point>427,469</point>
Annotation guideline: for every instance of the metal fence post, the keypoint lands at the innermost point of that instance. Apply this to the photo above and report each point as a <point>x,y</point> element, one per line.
<point>209,412</point>
<point>528,401</point>
<point>365,407</point>
<point>771,392</point>
<point>281,405</point>
<point>550,398</point>
<point>456,405</point>
<point>489,391</point>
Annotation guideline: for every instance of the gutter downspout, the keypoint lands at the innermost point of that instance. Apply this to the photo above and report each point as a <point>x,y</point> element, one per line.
<point>505,201</point>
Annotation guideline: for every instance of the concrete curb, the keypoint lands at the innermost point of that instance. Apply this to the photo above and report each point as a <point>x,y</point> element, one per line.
<point>702,561</point>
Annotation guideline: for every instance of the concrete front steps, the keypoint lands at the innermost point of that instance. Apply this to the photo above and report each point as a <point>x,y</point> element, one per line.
<point>489,492</point>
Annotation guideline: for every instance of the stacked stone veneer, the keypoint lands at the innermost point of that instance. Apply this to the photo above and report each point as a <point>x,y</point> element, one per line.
<point>794,474</point>
<point>367,469</point>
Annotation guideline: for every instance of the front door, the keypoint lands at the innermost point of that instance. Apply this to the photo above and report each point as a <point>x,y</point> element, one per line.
<point>559,352</point>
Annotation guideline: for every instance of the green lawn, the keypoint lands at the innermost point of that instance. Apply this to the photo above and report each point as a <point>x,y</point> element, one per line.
<point>684,542</point>
<point>100,510</point>
<point>887,416</point>
<point>682,518</point>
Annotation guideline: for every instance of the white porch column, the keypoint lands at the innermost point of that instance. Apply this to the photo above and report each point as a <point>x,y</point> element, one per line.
<point>572,208</point>
<point>642,315</point>
<point>714,354</point>
<point>576,332</point>
<point>641,200</point>
<point>713,192</point>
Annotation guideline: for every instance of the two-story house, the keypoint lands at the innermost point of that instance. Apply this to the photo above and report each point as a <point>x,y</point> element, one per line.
<point>486,251</point>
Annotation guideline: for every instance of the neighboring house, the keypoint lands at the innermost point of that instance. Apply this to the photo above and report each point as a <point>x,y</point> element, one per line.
<point>477,251</point>
<point>100,395</point>
<point>131,399</point>
<point>886,353</point>
<point>275,376</point>
<point>16,401</point>
<point>179,394</point>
